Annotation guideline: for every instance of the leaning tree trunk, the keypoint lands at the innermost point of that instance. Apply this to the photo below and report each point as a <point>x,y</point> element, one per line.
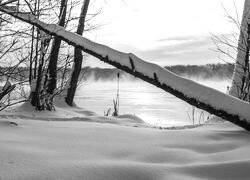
<point>208,99</point>
<point>52,67</point>
<point>77,66</point>
<point>241,70</point>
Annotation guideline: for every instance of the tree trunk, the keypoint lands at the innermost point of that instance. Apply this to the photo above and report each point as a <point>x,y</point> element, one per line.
<point>241,65</point>
<point>37,94</point>
<point>37,14</point>
<point>245,93</point>
<point>208,99</point>
<point>52,67</point>
<point>77,66</point>
<point>31,54</point>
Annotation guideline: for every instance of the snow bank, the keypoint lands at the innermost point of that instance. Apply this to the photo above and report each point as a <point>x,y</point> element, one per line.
<point>64,112</point>
<point>84,150</point>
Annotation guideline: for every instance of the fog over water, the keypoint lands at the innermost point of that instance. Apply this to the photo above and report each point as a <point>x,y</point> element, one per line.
<point>143,100</point>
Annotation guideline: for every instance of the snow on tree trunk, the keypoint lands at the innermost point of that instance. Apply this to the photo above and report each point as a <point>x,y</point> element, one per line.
<point>208,99</point>
<point>36,99</point>
<point>242,59</point>
<point>77,66</point>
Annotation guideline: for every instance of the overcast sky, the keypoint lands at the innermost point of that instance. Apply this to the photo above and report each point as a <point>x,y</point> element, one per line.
<point>166,32</point>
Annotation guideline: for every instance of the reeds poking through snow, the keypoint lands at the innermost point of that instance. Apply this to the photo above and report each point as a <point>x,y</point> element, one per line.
<point>107,113</point>
<point>192,117</point>
<point>116,101</point>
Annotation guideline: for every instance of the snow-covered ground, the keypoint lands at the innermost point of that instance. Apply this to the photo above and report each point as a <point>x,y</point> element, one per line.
<point>73,143</point>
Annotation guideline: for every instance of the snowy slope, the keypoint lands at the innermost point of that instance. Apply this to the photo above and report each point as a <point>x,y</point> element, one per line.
<point>66,113</point>
<point>85,150</point>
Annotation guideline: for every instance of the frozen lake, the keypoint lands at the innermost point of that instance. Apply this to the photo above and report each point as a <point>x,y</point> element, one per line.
<point>143,100</point>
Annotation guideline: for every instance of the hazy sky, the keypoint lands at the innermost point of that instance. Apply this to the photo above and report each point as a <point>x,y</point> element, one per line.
<point>165,32</point>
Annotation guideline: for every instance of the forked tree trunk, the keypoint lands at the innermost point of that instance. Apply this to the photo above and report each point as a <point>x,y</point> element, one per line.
<point>208,99</point>
<point>37,94</point>
<point>77,66</point>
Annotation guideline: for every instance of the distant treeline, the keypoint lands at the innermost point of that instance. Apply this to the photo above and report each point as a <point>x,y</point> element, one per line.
<point>209,71</point>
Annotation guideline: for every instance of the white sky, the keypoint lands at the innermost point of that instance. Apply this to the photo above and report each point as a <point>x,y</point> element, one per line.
<point>165,32</point>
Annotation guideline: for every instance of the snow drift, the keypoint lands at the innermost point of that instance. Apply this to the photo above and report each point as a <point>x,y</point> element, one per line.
<point>35,149</point>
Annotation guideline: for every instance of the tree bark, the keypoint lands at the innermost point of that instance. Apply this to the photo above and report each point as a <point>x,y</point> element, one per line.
<point>208,99</point>
<point>245,94</point>
<point>241,64</point>
<point>77,66</point>
<point>52,67</point>
<point>31,54</point>
<point>36,96</point>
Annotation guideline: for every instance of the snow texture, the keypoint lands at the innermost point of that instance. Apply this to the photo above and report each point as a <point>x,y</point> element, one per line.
<point>66,149</point>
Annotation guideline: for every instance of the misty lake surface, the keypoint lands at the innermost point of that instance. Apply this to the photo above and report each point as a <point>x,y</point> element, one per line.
<point>144,100</point>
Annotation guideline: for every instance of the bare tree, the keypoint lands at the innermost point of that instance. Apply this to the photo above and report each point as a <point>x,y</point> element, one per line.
<point>44,64</point>
<point>53,58</point>
<point>9,69</point>
<point>50,63</point>
<point>237,52</point>
<point>241,71</point>
<point>77,66</point>
<point>38,95</point>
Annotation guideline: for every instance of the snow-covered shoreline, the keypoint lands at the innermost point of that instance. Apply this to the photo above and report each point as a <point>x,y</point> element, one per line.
<point>208,99</point>
<point>36,149</point>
